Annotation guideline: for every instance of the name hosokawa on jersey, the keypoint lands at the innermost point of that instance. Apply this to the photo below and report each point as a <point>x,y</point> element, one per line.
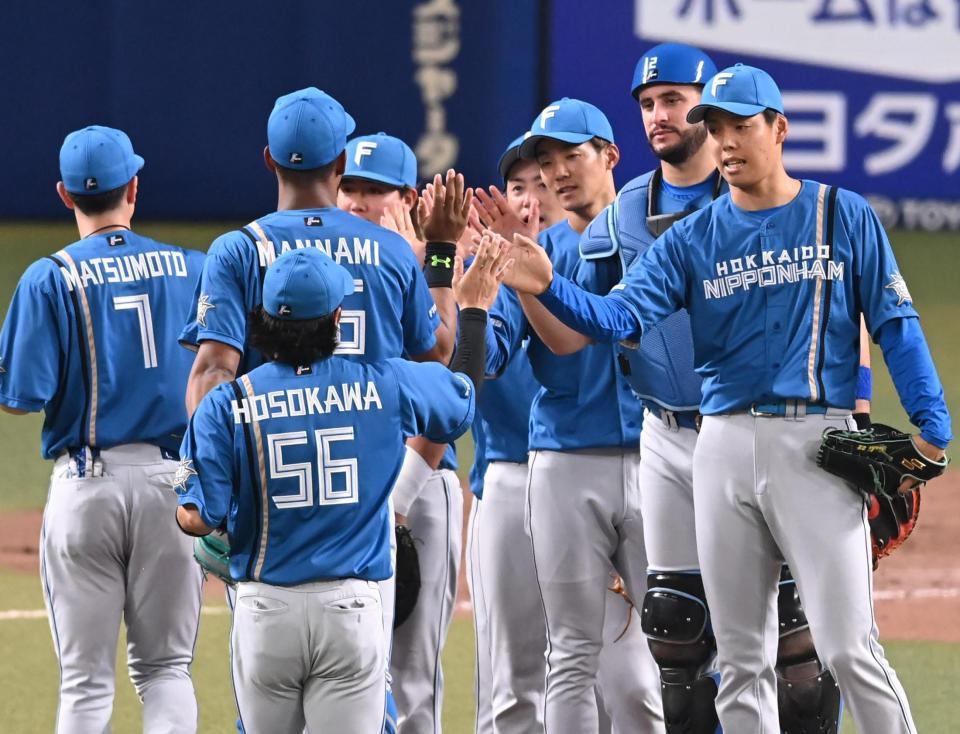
<point>306,401</point>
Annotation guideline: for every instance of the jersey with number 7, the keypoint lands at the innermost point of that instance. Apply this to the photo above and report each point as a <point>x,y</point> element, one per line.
<point>91,338</point>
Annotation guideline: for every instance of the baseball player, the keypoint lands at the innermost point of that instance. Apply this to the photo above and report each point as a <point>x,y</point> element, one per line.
<point>393,310</point>
<point>508,612</point>
<point>667,83</point>
<point>90,339</point>
<point>582,492</point>
<point>298,457</point>
<point>774,276</point>
<point>381,172</point>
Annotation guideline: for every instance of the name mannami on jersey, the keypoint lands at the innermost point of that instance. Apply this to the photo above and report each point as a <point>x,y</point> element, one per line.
<point>342,250</point>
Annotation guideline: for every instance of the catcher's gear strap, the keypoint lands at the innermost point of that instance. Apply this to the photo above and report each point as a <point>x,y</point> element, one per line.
<point>808,699</point>
<point>876,460</point>
<point>688,703</point>
<point>601,238</point>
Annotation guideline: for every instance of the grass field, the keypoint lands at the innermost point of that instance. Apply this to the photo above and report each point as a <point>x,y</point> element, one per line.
<point>28,671</point>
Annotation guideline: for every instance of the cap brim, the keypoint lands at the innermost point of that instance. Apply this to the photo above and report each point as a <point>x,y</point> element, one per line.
<point>349,124</point>
<point>698,113</point>
<point>379,178</point>
<point>507,161</point>
<point>528,148</point>
<point>139,161</point>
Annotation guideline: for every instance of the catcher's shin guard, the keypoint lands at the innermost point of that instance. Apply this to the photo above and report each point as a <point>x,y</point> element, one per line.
<point>677,624</point>
<point>807,695</point>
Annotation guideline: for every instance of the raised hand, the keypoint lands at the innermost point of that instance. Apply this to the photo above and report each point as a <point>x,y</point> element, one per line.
<point>397,217</point>
<point>500,217</point>
<point>477,288</point>
<point>530,270</point>
<point>447,219</point>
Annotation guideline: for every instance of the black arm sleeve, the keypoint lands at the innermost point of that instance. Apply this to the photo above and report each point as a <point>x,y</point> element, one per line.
<point>470,356</point>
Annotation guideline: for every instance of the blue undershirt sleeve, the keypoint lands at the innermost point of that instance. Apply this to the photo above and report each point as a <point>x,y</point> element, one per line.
<point>603,318</point>
<point>908,359</point>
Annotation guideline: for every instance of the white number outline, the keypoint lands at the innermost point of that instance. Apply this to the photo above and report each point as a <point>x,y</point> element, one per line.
<point>327,469</point>
<point>141,304</point>
<point>302,472</point>
<point>358,320</point>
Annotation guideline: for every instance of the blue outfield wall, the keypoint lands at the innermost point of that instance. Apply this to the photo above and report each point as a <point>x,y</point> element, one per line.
<point>871,87</point>
<point>193,84</point>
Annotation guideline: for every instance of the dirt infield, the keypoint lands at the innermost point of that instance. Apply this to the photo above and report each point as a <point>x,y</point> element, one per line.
<point>917,589</point>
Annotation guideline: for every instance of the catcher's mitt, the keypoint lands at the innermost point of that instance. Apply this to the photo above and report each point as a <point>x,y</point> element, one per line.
<point>213,554</point>
<point>407,576</point>
<point>876,460</point>
<point>892,519</point>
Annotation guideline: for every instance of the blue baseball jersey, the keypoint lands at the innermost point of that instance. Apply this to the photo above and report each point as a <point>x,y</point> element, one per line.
<point>91,339</point>
<point>775,299</point>
<point>660,368</point>
<point>583,402</point>
<point>502,425</point>
<point>299,462</point>
<point>391,313</point>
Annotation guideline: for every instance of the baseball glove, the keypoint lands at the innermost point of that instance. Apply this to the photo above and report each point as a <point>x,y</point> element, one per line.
<point>876,460</point>
<point>892,519</point>
<point>213,554</point>
<point>407,576</point>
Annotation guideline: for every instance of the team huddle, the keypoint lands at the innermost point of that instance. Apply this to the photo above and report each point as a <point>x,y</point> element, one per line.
<point>668,387</point>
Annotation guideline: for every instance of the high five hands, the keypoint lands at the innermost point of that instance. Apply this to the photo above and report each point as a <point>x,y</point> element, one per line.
<point>478,286</point>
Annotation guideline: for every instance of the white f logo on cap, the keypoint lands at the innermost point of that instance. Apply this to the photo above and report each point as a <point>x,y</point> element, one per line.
<point>364,147</point>
<point>720,80</point>
<point>547,113</point>
<point>650,69</point>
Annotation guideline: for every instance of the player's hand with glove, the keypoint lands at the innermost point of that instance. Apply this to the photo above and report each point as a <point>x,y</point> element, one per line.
<point>881,460</point>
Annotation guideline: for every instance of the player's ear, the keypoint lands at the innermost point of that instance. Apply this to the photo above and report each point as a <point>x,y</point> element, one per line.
<point>409,197</point>
<point>268,160</point>
<point>782,127</point>
<point>341,163</point>
<point>132,188</point>
<point>64,195</point>
<point>336,314</point>
<point>611,156</point>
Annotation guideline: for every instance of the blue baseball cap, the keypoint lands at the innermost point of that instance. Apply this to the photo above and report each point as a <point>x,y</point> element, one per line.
<point>569,121</point>
<point>307,129</point>
<point>511,155</point>
<point>672,63</point>
<point>97,159</point>
<point>382,158</point>
<point>305,284</point>
<point>741,90</point>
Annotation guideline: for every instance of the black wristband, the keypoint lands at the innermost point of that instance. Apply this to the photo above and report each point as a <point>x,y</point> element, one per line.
<point>471,355</point>
<point>438,264</point>
<point>863,421</point>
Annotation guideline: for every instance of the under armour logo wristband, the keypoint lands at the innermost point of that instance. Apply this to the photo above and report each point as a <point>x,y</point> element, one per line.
<point>438,268</point>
